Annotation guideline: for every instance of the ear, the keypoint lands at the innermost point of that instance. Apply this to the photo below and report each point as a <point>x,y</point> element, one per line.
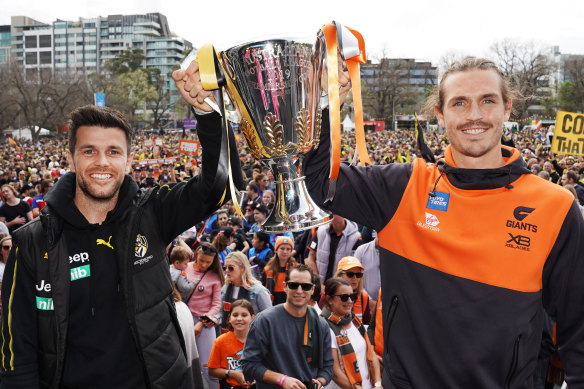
<point>508,106</point>
<point>439,116</point>
<point>70,160</point>
<point>129,163</point>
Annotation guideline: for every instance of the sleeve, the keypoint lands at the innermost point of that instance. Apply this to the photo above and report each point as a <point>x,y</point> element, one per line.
<point>371,327</point>
<point>327,359</point>
<point>253,355</point>
<point>366,195</point>
<point>19,364</point>
<point>215,299</point>
<point>183,285</point>
<point>186,203</point>
<point>263,299</point>
<point>563,292</point>
<point>333,340</point>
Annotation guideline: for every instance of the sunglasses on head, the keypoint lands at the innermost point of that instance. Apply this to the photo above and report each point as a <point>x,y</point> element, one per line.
<point>345,297</point>
<point>208,250</point>
<point>350,274</point>
<point>294,285</point>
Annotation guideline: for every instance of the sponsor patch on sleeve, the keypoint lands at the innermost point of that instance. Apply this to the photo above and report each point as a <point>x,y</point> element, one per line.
<point>439,201</point>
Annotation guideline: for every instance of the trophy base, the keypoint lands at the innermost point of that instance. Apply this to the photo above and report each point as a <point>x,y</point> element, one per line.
<point>294,209</point>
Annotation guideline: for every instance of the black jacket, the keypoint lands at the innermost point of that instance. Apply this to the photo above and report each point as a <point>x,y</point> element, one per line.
<point>37,322</point>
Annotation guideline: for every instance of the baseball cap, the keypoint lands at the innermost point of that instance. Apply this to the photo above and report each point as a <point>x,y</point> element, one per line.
<point>235,221</point>
<point>349,262</point>
<point>284,240</point>
<point>164,178</point>
<point>262,208</point>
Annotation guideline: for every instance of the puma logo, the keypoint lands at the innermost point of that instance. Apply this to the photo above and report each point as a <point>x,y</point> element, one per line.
<point>103,242</point>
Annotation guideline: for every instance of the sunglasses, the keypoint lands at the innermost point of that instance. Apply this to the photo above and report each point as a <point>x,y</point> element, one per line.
<point>294,285</point>
<point>350,274</point>
<point>230,268</point>
<point>345,297</point>
<point>208,250</point>
<point>6,247</point>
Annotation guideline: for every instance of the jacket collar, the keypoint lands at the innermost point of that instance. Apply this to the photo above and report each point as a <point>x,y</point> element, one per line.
<point>480,179</point>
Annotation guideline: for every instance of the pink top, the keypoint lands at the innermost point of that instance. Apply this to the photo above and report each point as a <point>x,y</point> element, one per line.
<point>206,297</point>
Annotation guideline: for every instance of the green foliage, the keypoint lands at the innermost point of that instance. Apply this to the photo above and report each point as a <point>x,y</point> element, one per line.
<point>126,62</point>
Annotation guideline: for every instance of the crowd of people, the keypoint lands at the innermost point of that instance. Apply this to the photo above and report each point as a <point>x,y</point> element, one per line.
<point>251,295</point>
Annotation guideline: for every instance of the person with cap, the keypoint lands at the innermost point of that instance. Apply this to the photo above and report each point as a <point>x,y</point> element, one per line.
<point>260,214</point>
<point>276,267</point>
<point>289,345</point>
<point>351,270</point>
<point>368,255</point>
<point>240,241</point>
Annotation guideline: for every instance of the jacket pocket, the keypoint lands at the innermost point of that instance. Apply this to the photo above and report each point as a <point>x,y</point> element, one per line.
<point>514,362</point>
<point>388,319</point>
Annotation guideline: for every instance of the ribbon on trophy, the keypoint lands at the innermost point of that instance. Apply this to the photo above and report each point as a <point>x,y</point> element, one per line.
<point>212,79</point>
<point>351,46</point>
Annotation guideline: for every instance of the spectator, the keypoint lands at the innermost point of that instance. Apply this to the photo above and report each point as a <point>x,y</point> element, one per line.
<point>241,284</point>
<point>276,268</point>
<point>14,212</point>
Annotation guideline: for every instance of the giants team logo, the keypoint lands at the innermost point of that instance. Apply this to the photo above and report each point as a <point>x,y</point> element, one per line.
<point>141,246</point>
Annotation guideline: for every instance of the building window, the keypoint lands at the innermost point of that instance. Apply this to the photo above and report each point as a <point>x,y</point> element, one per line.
<point>30,42</point>
<point>45,41</point>
<point>31,58</point>
<point>45,57</point>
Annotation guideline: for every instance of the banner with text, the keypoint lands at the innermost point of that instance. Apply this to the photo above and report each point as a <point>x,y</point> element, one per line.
<point>569,134</point>
<point>157,161</point>
<point>190,147</point>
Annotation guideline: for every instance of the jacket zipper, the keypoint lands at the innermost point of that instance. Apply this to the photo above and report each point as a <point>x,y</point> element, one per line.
<point>514,363</point>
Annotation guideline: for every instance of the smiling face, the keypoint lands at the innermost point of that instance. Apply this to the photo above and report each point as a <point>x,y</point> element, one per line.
<point>473,114</point>
<point>337,306</point>
<point>240,318</point>
<point>299,298</point>
<point>100,161</point>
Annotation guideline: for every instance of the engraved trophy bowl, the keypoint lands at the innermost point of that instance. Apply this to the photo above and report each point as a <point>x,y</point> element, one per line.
<point>272,84</point>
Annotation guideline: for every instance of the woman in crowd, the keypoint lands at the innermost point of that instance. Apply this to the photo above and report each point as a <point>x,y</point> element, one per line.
<point>224,362</point>
<point>260,252</point>
<point>14,212</point>
<point>350,269</point>
<point>241,284</point>
<point>354,366</point>
<point>205,300</point>
<point>268,198</point>
<point>275,270</point>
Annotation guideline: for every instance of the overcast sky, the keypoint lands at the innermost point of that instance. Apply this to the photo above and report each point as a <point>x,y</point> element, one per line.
<point>423,29</point>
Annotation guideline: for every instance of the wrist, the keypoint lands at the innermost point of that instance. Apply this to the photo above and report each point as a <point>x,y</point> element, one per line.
<point>282,379</point>
<point>377,384</point>
<point>227,373</point>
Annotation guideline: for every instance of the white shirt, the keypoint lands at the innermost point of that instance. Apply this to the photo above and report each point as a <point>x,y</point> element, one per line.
<point>360,348</point>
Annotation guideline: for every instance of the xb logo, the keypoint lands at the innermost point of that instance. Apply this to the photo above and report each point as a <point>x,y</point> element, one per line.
<point>521,213</point>
<point>520,240</point>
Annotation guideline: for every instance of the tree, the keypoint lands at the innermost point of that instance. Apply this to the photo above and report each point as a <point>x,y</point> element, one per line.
<point>160,105</point>
<point>131,94</point>
<point>127,61</point>
<point>573,99</point>
<point>529,69</point>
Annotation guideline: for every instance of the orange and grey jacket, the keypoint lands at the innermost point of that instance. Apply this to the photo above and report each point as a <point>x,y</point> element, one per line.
<point>469,260</point>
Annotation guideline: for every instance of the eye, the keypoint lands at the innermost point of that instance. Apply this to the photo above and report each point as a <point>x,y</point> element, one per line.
<point>458,104</point>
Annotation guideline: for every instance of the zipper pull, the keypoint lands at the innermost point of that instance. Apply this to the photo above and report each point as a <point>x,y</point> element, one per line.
<point>92,311</point>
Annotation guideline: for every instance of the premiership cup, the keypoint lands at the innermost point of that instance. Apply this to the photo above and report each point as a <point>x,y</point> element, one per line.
<point>275,86</point>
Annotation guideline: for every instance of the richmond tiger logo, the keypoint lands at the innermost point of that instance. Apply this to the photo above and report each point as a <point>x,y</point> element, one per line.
<point>141,246</point>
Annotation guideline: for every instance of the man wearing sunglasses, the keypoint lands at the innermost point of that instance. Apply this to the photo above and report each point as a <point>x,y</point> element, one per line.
<point>289,345</point>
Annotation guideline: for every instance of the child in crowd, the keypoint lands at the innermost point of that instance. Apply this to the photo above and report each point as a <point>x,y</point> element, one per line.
<point>275,270</point>
<point>225,359</point>
<point>260,253</point>
<point>179,260</point>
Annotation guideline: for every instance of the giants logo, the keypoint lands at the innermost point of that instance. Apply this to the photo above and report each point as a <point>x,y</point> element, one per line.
<point>521,213</point>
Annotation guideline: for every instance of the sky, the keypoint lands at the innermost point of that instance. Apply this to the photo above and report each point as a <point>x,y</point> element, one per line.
<point>424,30</point>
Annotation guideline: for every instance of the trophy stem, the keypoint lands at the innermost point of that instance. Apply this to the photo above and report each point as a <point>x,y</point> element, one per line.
<point>294,209</point>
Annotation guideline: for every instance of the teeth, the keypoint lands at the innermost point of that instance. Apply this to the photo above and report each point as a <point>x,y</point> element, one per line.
<point>101,176</point>
<point>474,131</point>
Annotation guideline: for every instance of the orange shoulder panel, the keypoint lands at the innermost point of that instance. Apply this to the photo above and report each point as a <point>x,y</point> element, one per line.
<point>501,237</point>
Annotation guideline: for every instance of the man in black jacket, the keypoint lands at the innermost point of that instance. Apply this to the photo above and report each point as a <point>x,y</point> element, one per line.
<point>87,299</point>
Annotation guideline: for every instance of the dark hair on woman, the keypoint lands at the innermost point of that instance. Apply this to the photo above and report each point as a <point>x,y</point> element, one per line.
<point>239,303</point>
<point>274,265</point>
<point>207,249</point>
<point>332,285</point>
<point>263,237</point>
<point>104,117</point>
<point>221,241</point>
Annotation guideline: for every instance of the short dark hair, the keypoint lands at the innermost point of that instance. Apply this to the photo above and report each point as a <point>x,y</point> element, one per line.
<point>300,267</point>
<point>104,117</point>
<point>253,187</point>
<point>570,175</point>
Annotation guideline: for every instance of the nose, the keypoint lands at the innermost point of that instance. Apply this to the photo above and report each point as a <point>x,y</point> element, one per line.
<point>474,112</point>
<point>102,158</point>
